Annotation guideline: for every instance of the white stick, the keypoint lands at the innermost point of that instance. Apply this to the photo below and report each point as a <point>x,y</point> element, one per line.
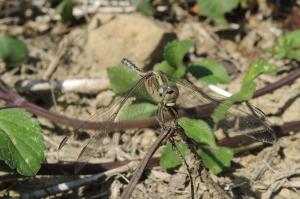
<point>76,85</point>
<point>109,9</point>
<point>219,90</point>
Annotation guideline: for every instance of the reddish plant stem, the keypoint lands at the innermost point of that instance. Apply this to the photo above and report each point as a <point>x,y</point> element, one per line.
<point>243,140</point>
<point>289,79</point>
<point>90,168</point>
<point>68,168</point>
<point>14,100</point>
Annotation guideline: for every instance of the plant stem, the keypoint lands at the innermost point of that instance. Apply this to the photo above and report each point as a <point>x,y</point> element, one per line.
<point>14,100</point>
<point>90,168</point>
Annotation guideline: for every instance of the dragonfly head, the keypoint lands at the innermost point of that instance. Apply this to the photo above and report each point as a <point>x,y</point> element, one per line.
<point>169,94</point>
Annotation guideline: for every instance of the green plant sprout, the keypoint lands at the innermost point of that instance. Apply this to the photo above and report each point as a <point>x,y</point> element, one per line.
<point>12,50</point>
<point>288,46</point>
<point>65,10</point>
<point>215,9</point>
<point>143,6</point>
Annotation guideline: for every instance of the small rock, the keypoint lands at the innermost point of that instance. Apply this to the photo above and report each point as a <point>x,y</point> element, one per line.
<point>292,113</point>
<point>178,181</point>
<point>160,175</point>
<point>147,138</point>
<point>286,193</point>
<point>113,37</point>
<point>201,38</point>
<point>104,98</point>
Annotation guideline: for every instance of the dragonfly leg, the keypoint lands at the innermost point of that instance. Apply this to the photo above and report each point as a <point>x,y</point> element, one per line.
<point>176,150</point>
<point>160,117</point>
<point>204,174</point>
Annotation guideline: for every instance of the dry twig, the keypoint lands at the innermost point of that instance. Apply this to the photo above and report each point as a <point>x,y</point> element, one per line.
<point>279,181</point>
<point>63,47</point>
<point>62,187</point>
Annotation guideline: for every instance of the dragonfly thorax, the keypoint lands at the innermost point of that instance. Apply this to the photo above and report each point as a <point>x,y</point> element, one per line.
<point>161,89</point>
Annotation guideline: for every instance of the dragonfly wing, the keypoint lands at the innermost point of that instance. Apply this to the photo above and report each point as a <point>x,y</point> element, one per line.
<point>240,118</point>
<point>95,142</point>
<point>92,147</point>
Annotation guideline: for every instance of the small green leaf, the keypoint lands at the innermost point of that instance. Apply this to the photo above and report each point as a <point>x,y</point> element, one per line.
<point>294,54</point>
<point>164,67</point>
<point>21,141</point>
<point>174,53</point>
<point>257,68</point>
<point>244,94</point>
<point>65,10</point>
<point>137,111</point>
<point>221,110</point>
<point>290,38</point>
<point>198,130</point>
<point>169,159</point>
<point>215,9</point>
<point>247,90</point>
<point>12,50</point>
<point>144,6</point>
<point>210,71</point>
<point>122,83</point>
<point>216,159</point>
<point>288,46</point>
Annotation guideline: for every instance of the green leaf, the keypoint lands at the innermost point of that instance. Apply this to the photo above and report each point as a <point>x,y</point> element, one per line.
<point>244,94</point>
<point>221,110</point>
<point>216,159</point>
<point>198,130</point>
<point>144,6</point>
<point>164,67</point>
<point>257,68</point>
<point>215,9</point>
<point>294,54</point>
<point>169,159</point>
<point>12,50</point>
<point>288,46</point>
<point>247,90</point>
<point>292,39</point>
<point>65,10</point>
<point>21,141</point>
<point>137,111</point>
<point>210,71</point>
<point>174,53</point>
<point>122,83</point>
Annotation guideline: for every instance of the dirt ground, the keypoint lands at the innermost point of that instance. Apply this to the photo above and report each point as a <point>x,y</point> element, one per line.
<point>85,48</point>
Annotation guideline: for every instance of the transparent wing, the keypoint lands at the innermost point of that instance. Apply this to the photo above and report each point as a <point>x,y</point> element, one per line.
<point>239,119</point>
<point>91,148</point>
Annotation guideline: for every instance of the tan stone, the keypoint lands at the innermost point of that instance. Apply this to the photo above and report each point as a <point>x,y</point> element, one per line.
<point>136,37</point>
<point>292,113</point>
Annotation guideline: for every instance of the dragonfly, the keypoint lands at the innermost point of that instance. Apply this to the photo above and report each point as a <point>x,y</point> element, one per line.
<point>171,94</point>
